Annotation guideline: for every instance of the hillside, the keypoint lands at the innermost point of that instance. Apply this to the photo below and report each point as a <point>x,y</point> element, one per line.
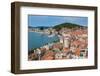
<point>67,25</point>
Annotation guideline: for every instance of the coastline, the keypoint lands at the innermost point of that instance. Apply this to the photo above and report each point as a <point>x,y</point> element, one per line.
<point>36,32</point>
<point>43,35</point>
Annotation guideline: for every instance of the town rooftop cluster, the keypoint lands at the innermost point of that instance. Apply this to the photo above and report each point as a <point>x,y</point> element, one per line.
<point>72,44</point>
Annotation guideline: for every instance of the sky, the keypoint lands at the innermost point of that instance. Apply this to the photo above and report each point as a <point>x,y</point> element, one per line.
<point>40,20</point>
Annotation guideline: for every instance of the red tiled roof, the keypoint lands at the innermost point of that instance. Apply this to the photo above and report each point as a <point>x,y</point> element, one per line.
<point>77,52</point>
<point>65,49</point>
<point>48,55</point>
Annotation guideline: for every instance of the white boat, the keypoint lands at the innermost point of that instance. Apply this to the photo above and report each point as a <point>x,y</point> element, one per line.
<point>51,35</point>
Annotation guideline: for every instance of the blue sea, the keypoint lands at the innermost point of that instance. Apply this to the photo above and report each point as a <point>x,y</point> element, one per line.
<point>36,40</point>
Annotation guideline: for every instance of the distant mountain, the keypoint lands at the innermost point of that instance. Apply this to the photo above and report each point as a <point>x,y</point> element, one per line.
<point>41,27</point>
<point>67,25</point>
<point>30,27</point>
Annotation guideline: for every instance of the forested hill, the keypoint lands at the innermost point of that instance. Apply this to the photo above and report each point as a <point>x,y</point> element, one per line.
<point>67,25</point>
